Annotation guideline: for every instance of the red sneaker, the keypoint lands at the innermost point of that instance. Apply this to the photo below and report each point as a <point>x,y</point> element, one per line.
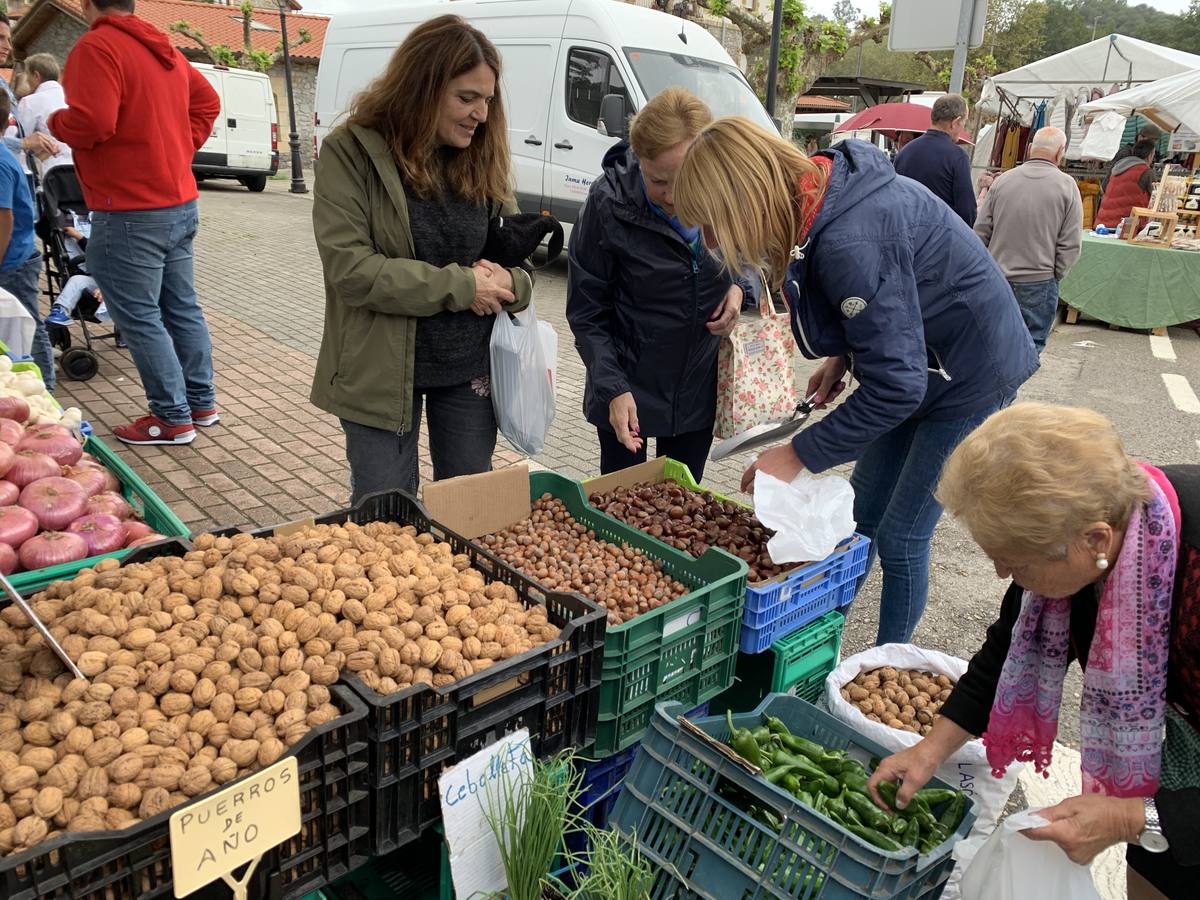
<point>153,430</point>
<point>205,417</point>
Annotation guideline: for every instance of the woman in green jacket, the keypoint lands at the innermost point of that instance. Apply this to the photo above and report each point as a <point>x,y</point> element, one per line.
<point>402,203</point>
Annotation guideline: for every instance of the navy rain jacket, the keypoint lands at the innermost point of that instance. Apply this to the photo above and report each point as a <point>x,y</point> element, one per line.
<point>638,303</point>
<point>891,278</point>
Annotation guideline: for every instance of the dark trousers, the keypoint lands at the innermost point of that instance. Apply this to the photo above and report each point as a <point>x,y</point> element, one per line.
<point>690,448</point>
<point>462,439</point>
<point>23,282</point>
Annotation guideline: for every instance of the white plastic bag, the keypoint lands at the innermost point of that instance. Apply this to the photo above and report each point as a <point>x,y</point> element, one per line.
<point>522,391</point>
<point>16,325</point>
<point>1010,866</point>
<point>967,770</point>
<point>810,516</point>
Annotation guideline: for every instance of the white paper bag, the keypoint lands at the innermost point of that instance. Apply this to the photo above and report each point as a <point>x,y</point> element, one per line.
<point>522,391</point>
<point>1010,866</point>
<point>810,516</point>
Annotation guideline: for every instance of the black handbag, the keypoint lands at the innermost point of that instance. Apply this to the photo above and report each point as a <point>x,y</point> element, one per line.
<point>512,239</point>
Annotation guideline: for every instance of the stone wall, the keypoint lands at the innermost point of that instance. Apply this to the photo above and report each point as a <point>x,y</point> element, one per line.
<point>304,89</point>
<point>57,38</point>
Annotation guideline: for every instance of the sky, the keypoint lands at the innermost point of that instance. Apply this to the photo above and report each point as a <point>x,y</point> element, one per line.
<point>331,7</point>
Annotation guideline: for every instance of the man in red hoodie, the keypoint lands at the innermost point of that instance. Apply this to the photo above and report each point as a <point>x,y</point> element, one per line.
<point>137,112</point>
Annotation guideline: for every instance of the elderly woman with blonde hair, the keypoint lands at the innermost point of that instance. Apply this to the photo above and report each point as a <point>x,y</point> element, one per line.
<point>1103,554</point>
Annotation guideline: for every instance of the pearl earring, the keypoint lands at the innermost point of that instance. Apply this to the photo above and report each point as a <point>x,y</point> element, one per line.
<point>1101,561</point>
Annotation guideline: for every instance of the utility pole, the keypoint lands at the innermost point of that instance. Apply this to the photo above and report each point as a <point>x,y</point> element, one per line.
<point>773,62</point>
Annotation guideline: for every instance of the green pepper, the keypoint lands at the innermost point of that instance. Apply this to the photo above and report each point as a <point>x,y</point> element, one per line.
<point>793,742</point>
<point>871,836</point>
<point>912,834</point>
<point>936,796</point>
<point>953,814</point>
<point>855,782</point>
<point>888,791</point>
<point>805,769</point>
<point>791,783</point>
<point>761,734</point>
<point>872,815</point>
<point>742,742</point>
<point>819,802</point>
<point>776,775</point>
<point>875,762</point>
<point>804,797</point>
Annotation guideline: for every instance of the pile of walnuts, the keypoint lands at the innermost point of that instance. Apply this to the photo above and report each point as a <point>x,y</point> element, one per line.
<point>562,554</point>
<point>905,699</point>
<point>205,667</point>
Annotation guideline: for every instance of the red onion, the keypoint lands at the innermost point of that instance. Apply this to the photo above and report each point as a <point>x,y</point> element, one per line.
<point>9,493</point>
<point>14,408</point>
<point>110,503</point>
<point>103,534</point>
<point>52,548</point>
<point>147,539</point>
<point>8,559</point>
<point>56,501</point>
<point>63,448</point>
<point>11,432</point>
<point>48,428</point>
<point>88,458</point>
<point>93,480</point>
<point>28,466</point>
<point>17,525</point>
<point>135,529</point>
<point>6,457</point>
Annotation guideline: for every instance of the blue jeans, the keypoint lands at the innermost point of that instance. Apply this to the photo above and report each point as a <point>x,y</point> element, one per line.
<point>1038,301</point>
<point>894,481</point>
<point>23,282</point>
<point>143,263</point>
<point>690,448</point>
<point>462,439</point>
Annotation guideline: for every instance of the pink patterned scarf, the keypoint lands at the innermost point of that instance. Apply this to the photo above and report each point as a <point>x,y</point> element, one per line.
<point>1124,685</point>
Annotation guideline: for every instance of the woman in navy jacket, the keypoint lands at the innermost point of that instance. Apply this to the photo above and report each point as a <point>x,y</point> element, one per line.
<point>885,282</point>
<point>647,304</point>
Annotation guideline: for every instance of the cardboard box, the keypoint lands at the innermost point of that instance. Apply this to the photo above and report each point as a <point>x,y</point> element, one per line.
<point>475,505</point>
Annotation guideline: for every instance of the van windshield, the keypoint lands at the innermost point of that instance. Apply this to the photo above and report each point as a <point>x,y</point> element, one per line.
<point>719,85</point>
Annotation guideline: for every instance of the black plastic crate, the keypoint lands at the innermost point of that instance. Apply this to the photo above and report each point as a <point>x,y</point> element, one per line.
<point>553,690</point>
<point>135,862</point>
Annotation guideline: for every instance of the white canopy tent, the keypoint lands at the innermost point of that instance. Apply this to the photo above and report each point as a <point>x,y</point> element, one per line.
<point>1170,102</point>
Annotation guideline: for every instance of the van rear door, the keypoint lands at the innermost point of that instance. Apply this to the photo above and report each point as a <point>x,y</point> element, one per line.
<point>248,114</point>
<point>215,150</point>
<point>586,73</point>
<point>527,107</point>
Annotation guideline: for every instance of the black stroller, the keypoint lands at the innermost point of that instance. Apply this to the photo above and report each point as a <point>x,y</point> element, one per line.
<point>59,199</point>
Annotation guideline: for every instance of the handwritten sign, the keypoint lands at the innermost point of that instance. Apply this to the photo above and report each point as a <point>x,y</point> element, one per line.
<point>467,790</point>
<point>211,838</point>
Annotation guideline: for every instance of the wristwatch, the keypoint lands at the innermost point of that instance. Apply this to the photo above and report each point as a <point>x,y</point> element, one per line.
<point>1152,838</point>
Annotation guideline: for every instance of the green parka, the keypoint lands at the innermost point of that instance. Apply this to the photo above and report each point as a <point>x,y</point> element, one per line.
<point>374,288</point>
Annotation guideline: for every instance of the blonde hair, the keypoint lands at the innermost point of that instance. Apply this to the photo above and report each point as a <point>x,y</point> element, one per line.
<point>744,182</point>
<point>1033,477</point>
<point>670,118</point>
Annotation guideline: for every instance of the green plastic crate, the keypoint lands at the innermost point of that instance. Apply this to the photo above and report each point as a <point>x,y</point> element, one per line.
<point>145,503</point>
<point>684,650</point>
<point>798,663</point>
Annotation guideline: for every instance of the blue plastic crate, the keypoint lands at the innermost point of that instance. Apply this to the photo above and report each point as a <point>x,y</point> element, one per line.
<point>807,593</point>
<point>674,805</point>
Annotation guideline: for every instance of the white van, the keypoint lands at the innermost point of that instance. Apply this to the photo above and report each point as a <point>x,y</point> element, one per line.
<point>573,73</point>
<point>245,139</point>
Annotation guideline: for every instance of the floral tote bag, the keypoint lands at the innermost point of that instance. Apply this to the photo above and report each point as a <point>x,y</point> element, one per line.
<point>756,371</point>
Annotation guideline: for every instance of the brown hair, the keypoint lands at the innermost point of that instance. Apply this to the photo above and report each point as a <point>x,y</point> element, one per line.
<point>748,185</point>
<point>403,105</point>
<point>670,118</point>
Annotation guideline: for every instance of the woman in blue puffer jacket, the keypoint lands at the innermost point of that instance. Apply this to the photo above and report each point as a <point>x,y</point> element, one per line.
<point>884,281</point>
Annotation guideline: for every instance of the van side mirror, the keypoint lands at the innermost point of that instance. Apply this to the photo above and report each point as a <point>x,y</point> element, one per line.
<point>613,117</point>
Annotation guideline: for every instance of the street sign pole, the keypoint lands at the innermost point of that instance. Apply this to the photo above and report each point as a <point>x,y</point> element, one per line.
<point>966,20</point>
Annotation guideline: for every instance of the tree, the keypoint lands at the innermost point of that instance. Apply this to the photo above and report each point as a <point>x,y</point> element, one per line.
<point>846,12</point>
<point>247,57</point>
<point>808,46</point>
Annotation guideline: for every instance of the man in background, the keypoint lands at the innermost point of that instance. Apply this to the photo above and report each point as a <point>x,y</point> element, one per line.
<point>1148,132</point>
<point>15,138</point>
<point>138,112</point>
<point>1032,222</point>
<point>1129,185</point>
<point>44,98</point>
<point>936,160</point>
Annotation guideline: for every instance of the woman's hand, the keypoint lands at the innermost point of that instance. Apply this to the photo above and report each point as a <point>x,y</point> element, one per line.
<point>490,291</point>
<point>622,416</point>
<point>726,317</point>
<point>1086,825</point>
<point>826,383</point>
<point>782,462</point>
<point>911,769</point>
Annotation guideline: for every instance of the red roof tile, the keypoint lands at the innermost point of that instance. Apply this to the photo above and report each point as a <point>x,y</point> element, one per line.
<point>805,103</point>
<point>219,24</point>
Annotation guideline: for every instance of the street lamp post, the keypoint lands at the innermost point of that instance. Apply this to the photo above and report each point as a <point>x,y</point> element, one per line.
<point>298,185</point>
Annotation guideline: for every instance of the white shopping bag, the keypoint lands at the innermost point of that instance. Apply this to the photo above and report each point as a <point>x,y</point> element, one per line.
<point>522,385</point>
<point>1010,866</point>
<point>810,516</point>
<point>16,325</point>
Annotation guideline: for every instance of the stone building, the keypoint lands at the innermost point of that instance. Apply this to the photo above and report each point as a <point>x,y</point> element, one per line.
<point>53,26</point>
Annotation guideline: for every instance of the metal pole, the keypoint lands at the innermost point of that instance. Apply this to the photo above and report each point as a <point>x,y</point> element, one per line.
<point>298,185</point>
<point>966,20</point>
<point>1095,22</point>
<point>773,62</point>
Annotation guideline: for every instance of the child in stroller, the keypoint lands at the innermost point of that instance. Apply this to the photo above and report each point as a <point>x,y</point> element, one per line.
<point>76,231</point>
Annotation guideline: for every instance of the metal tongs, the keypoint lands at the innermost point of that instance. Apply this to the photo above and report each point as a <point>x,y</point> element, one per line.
<point>40,626</point>
<point>766,433</point>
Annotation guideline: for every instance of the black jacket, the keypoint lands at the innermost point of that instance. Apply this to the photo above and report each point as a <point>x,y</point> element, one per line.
<point>970,705</point>
<point>935,160</point>
<point>637,303</point>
